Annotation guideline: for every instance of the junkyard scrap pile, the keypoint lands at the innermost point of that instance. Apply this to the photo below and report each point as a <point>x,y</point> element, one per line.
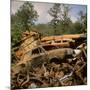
<point>50,61</point>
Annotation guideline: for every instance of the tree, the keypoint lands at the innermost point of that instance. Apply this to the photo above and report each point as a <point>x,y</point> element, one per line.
<point>83,21</point>
<point>61,21</point>
<point>55,13</point>
<point>66,21</point>
<point>27,15</point>
<point>22,20</point>
<point>76,28</point>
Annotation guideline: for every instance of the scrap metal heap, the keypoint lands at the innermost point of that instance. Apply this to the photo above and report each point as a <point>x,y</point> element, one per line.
<point>51,62</point>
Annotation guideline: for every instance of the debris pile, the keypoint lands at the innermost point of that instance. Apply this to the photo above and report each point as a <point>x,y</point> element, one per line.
<point>67,71</point>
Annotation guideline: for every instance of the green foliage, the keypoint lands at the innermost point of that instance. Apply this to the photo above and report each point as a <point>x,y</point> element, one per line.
<point>23,20</point>
<point>61,21</point>
<point>76,28</point>
<point>27,15</point>
<point>80,26</point>
<point>44,29</point>
<point>16,30</point>
<point>55,13</point>
<point>83,21</point>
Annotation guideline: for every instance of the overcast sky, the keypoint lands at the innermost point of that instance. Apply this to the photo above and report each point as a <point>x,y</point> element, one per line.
<point>42,9</point>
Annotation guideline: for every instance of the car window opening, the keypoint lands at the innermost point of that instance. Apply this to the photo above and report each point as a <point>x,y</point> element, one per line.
<point>35,51</point>
<point>47,48</point>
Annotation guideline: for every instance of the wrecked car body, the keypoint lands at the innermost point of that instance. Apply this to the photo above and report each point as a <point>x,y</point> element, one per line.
<point>52,65</point>
<point>46,54</point>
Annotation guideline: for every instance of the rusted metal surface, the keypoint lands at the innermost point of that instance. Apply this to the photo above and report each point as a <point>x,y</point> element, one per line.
<point>49,65</point>
<point>69,36</point>
<point>29,41</point>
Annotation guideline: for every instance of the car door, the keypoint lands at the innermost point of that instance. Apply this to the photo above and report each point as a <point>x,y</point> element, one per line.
<point>38,57</point>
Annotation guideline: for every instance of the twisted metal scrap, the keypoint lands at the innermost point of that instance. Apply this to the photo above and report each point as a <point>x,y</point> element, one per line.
<point>53,74</point>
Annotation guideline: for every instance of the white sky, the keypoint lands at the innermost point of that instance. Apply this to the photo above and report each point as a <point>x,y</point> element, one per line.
<point>42,9</point>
